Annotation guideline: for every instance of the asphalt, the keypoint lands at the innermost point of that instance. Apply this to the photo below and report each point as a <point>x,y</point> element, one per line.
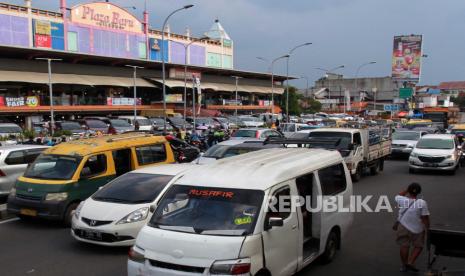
<point>42,248</point>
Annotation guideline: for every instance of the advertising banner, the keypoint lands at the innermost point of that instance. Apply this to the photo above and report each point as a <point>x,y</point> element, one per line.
<point>43,27</point>
<point>178,73</point>
<point>406,58</point>
<point>123,101</point>
<point>174,98</point>
<point>29,101</point>
<point>405,93</point>
<point>43,41</point>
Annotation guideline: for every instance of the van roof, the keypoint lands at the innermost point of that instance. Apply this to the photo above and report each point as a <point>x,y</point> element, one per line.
<point>83,147</point>
<point>166,169</point>
<point>335,129</point>
<point>260,170</point>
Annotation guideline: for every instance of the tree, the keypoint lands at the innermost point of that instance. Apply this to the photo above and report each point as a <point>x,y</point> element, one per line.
<point>294,101</point>
<point>312,106</point>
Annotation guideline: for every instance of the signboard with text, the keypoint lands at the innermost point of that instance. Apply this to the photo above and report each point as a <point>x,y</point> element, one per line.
<point>123,101</point>
<point>178,73</point>
<point>406,57</point>
<point>29,101</point>
<point>405,93</point>
<point>174,98</point>
<point>105,15</point>
<point>391,107</point>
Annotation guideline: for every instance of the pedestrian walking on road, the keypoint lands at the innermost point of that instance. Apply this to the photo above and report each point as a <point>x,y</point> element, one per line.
<point>411,225</point>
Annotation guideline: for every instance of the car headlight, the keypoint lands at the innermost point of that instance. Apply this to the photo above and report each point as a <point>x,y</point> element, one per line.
<point>137,215</point>
<point>413,154</point>
<point>56,196</point>
<point>13,191</point>
<point>450,157</point>
<point>77,212</point>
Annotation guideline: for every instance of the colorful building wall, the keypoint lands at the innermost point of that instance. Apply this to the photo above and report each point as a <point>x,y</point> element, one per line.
<point>107,30</point>
<point>14,30</point>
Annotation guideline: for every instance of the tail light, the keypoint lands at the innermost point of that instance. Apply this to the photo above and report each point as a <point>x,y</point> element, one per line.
<point>169,137</point>
<point>111,130</point>
<point>2,173</point>
<point>257,134</point>
<point>235,267</point>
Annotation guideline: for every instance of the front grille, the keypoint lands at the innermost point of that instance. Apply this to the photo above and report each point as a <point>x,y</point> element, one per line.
<point>95,223</point>
<point>431,159</point>
<point>104,237</point>
<point>177,267</point>
<point>29,197</point>
<point>398,146</point>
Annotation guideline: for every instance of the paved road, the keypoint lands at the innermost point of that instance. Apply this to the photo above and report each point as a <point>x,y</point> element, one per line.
<point>34,248</point>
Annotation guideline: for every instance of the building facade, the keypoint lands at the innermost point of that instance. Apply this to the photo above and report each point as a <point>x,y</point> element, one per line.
<point>94,42</point>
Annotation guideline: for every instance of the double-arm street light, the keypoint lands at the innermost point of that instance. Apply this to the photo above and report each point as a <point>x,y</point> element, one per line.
<point>330,70</point>
<point>186,63</point>
<point>163,59</point>
<point>287,75</point>
<point>134,76</point>
<point>356,79</point>
<point>50,89</point>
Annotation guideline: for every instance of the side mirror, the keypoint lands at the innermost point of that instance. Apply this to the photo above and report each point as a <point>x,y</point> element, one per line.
<point>152,208</point>
<point>274,222</point>
<point>459,147</point>
<point>351,146</point>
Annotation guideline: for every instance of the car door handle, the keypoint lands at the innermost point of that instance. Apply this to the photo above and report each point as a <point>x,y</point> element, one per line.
<point>294,227</point>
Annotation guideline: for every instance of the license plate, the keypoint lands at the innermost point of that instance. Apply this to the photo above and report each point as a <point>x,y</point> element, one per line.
<point>28,212</point>
<point>92,235</point>
<point>430,165</point>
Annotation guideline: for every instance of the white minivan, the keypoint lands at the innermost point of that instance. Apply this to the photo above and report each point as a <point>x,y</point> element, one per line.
<point>221,218</point>
<point>114,215</point>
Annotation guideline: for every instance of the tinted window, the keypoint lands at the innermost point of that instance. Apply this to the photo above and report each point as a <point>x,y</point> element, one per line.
<point>133,188</point>
<point>32,154</point>
<point>357,139</point>
<point>70,126</point>
<point>96,124</point>
<point>144,122</point>
<point>237,151</point>
<point>217,151</point>
<point>151,154</point>
<point>10,129</point>
<point>95,165</point>
<point>435,143</point>
<point>15,158</point>
<point>245,133</point>
<point>332,179</point>
<point>281,196</point>
<point>119,123</point>
<point>406,135</point>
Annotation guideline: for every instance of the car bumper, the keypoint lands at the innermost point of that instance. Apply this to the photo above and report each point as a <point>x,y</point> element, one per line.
<point>52,210</point>
<point>444,166</point>
<point>112,234</point>
<point>401,150</point>
<point>137,269</point>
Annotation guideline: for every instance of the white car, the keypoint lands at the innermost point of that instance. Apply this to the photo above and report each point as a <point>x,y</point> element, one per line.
<point>114,215</point>
<point>144,123</point>
<point>436,152</point>
<point>403,141</point>
<point>215,152</point>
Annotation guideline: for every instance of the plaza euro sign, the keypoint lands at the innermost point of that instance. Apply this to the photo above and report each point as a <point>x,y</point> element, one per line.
<point>405,93</point>
<point>391,107</point>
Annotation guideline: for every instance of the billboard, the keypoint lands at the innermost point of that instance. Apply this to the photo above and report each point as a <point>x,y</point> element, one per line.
<point>406,58</point>
<point>106,16</point>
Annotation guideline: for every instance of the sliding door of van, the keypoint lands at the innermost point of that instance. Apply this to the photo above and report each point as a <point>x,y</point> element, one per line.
<point>281,242</point>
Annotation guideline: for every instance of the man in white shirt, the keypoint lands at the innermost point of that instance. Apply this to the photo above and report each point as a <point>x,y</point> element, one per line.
<point>413,222</point>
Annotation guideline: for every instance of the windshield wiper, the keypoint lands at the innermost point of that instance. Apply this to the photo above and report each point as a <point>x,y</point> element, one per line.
<point>237,232</point>
<point>187,229</point>
<point>109,199</point>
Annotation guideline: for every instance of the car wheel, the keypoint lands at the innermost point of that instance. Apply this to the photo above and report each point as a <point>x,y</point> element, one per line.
<point>331,248</point>
<point>411,170</point>
<point>358,174</point>
<point>69,214</point>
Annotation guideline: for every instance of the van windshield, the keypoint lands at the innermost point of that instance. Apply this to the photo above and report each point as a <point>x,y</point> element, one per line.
<point>53,167</point>
<point>331,140</point>
<point>208,210</point>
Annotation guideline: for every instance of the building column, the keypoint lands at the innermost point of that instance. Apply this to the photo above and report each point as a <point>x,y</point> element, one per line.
<point>28,4</point>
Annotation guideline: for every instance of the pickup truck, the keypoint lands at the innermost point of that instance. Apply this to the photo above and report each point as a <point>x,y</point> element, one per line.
<point>361,149</point>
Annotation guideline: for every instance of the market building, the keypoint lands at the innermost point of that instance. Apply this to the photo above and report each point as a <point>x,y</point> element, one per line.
<point>94,43</point>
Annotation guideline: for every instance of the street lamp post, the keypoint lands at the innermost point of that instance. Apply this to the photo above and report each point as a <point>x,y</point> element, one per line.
<point>272,79</point>
<point>186,48</point>
<point>163,59</point>
<point>356,79</point>
<point>50,89</point>
<point>237,82</point>
<point>134,76</point>
<point>287,76</point>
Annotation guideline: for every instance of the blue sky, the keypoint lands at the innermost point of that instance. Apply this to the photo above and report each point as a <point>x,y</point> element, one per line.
<point>348,32</point>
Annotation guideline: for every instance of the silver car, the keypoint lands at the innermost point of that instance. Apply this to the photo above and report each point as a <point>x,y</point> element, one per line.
<point>13,162</point>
